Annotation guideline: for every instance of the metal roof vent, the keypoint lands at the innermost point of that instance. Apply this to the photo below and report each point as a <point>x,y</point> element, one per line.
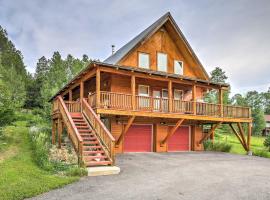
<point>113,46</point>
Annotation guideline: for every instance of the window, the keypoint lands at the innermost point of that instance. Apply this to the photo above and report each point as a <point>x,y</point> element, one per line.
<point>144,60</point>
<point>164,93</point>
<point>144,90</point>
<point>162,62</point>
<point>178,67</point>
<point>144,100</point>
<point>178,94</point>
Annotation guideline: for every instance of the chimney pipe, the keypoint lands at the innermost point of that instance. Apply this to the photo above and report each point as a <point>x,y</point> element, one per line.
<point>113,49</point>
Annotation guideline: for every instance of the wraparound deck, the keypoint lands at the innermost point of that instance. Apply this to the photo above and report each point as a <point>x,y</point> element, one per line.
<point>127,104</point>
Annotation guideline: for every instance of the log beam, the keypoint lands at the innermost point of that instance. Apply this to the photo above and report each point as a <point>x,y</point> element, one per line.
<point>210,132</point>
<point>194,95</point>
<point>249,135</point>
<point>120,138</point>
<point>53,131</point>
<point>241,131</point>
<point>221,101</point>
<point>98,88</point>
<point>81,90</point>
<point>59,132</point>
<point>70,95</point>
<point>133,91</point>
<point>170,95</point>
<point>172,132</point>
<point>238,136</point>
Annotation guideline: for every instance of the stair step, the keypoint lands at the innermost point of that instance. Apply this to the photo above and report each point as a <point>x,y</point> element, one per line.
<point>78,120</point>
<point>85,135</point>
<point>84,131</point>
<point>97,163</point>
<point>90,142</point>
<point>83,127</point>
<point>89,139</point>
<point>88,158</point>
<point>92,147</point>
<point>81,124</point>
<point>93,152</point>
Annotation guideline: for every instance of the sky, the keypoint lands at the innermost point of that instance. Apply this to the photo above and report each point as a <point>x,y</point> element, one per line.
<point>231,34</point>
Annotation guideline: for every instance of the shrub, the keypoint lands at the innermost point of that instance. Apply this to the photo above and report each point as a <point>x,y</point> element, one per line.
<point>261,153</point>
<point>266,142</point>
<point>50,158</point>
<point>217,146</point>
<point>76,171</point>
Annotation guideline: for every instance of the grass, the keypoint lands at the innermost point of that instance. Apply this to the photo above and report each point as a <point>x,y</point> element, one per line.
<point>256,144</point>
<point>20,176</point>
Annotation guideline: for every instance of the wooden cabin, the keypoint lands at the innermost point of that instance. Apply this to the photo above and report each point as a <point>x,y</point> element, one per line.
<point>146,97</point>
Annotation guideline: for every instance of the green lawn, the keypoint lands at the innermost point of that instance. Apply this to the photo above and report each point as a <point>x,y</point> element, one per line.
<point>20,177</point>
<point>256,142</point>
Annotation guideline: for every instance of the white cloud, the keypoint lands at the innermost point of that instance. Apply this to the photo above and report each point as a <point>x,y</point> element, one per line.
<point>229,34</point>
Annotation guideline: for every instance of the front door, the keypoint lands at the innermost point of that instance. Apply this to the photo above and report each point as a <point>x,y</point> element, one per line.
<point>156,100</point>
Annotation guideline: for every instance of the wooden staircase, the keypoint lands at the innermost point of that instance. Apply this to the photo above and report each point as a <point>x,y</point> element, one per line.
<point>91,140</point>
<point>93,152</point>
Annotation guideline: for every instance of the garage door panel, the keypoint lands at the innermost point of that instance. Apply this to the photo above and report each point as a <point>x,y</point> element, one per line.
<point>138,139</point>
<point>179,141</point>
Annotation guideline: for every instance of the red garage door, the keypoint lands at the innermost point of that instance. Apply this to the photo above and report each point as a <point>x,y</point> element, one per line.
<point>138,139</point>
<point>179,141</point>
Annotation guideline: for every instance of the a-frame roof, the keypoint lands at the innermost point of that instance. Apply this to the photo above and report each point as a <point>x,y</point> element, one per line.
<point>123,51</point>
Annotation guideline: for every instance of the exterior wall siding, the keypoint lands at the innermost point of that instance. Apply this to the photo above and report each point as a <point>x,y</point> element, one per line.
<point>162,42</point>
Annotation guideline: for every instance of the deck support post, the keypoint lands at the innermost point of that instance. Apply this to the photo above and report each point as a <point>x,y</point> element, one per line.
<point>129,123</point>
<point>220,99</point>
<point>133,91</point>
<point>210,132</point>
<point>70,95</point>
<point>194,94</point>
<point>238,136</point>
<point>53,131</point>
<point>170,96</point>
<point>242,135</point>
<point>59,131</point>
<point>81,90</point>
<point>98,88</point>
<point>172,131</point>
<point>249,136</point>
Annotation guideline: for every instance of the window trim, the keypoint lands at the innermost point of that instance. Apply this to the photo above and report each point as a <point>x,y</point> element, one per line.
<point>144,53</point>
<point>175,66</point>
<point>148,89</point>
<point>182,91</point>
<point>158,52</point>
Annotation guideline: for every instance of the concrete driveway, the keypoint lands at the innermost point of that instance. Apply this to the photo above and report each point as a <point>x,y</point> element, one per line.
<point>191,175</point>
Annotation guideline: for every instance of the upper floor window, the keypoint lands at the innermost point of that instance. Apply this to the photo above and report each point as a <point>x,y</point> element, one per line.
<point>143,90</point>
<point>178,94</point>
<point>162,62</point>
<point>178,67</point>
<point>144,60</point>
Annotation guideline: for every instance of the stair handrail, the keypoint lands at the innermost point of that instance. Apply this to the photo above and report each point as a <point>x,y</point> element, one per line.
<point>72,130</point>
<point>107,139</point>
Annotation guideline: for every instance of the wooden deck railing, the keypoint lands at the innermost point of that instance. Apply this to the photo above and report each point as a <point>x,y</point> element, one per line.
<point>100,129</point>
<point>208,109</point>
<point>111,100</point>
<point>180,106</point>
<point>73,106</point>
<point>115,100</point>
<point>71,128</point>
<point>236,111</point>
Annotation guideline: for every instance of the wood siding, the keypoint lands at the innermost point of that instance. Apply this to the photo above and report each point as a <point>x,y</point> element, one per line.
<point>163,42</point>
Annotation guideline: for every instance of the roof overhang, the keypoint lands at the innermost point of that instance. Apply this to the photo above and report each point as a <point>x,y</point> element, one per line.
<point>94,64</point>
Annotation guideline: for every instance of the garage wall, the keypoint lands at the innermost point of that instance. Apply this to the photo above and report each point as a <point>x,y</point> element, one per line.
<point>116,130</point>
<point>160,133</point>
<point>197,135</point>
